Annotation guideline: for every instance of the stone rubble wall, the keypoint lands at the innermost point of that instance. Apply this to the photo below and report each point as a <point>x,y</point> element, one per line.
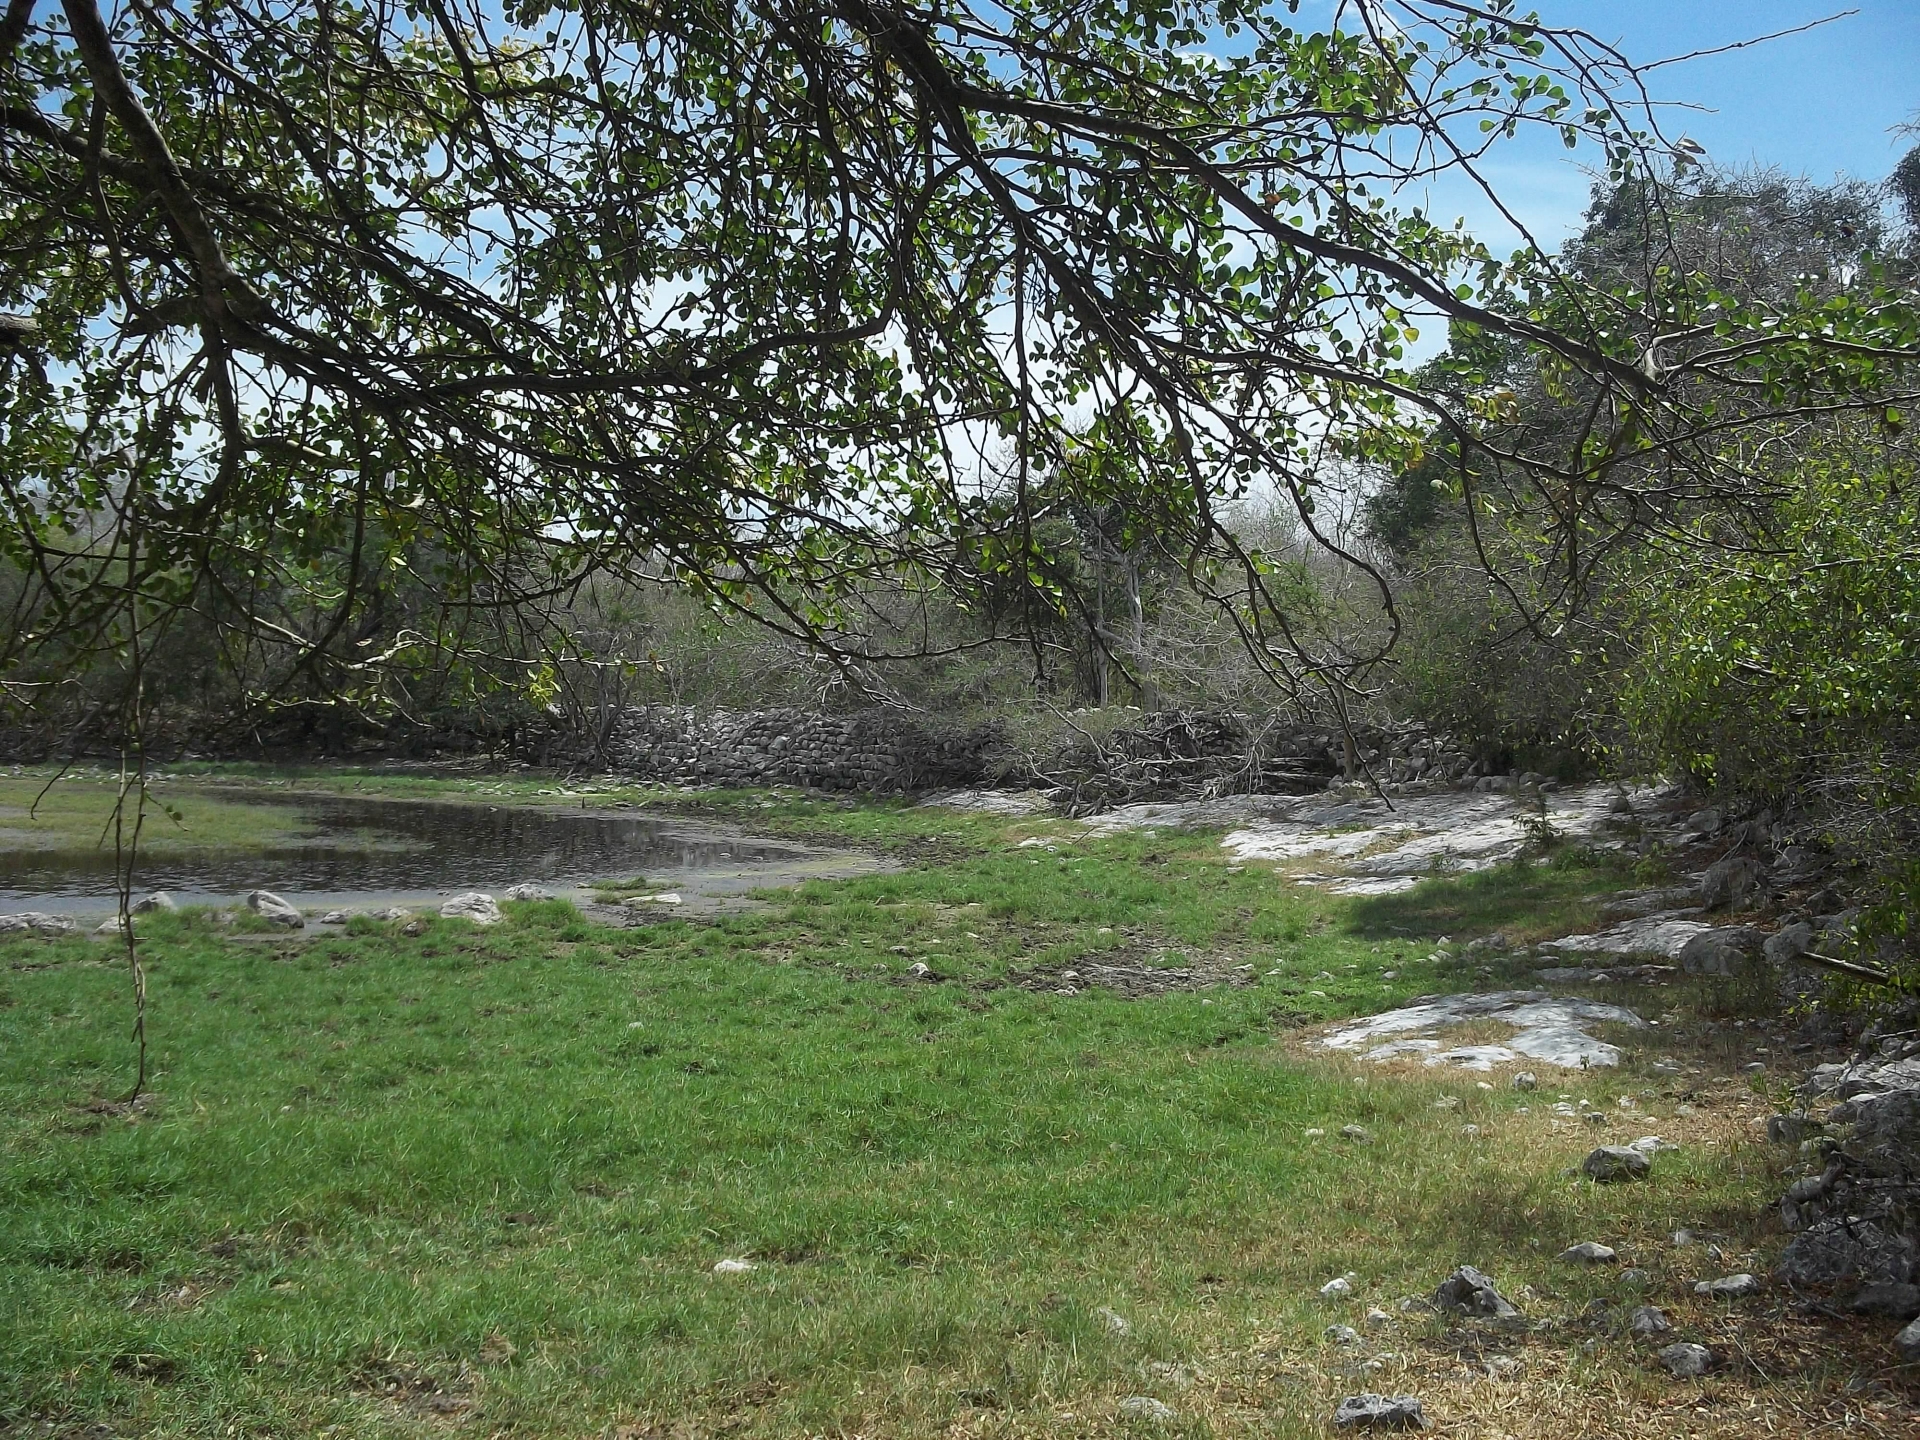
<point>869,750</point>
<point>1169,753</point>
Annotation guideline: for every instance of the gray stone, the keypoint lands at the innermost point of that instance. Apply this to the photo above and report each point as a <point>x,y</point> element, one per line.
<point>1546,1028</point>
<point>35,922</point>
<point>1338,1288</point>
<point>1379,1412</point>
<point>1588,1252</point>
<point>1844,1252</point>
<point>335,917</point>
<point>1341,1334</point>
<point>1636,1278</point>
<point>1907,1342</point>
<point>1646,1321</point>
<point>1113,1322</point>
<point>1789,942</point>
<point>664,897</point>
<point>1890,1302</point>
<point>1685,1361</point>
<point>523,893</point>
<point>1732,882</point>
<point>148,904</point>
<point>1724,950</point>
<point>1703,822</point>
<point>473,905</point>
<point>1472,1292</point>
<point>1657,935</point>
<point>1887,1128</point>
<point>1791,1129</point>
<point>1359,1134</point>
<point>1525,1080</point>
<point>1728,1287</point>
<point>275,911</point>
<point>1612,1163</point>
<point>1145,1407</point>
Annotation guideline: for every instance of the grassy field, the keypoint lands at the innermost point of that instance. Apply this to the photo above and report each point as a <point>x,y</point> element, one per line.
<point>477,1181</point>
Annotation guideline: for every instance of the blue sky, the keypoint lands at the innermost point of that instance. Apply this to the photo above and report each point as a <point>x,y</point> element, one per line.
<point>1817,104</point>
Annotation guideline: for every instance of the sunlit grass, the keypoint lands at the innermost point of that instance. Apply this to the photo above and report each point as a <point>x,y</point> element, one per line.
<point>482,1176</point>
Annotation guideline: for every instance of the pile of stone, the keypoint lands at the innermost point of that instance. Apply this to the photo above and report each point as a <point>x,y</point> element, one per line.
<point>1855,1212</point>
<point>1164,754</point>
<point>875,750</point>
<point>1188,753</point>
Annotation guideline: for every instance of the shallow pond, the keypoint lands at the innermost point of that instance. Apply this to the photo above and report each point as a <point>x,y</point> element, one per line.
<point>341,851</point>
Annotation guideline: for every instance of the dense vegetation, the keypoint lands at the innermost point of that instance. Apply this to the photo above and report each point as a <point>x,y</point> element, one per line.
<point>362,365</point>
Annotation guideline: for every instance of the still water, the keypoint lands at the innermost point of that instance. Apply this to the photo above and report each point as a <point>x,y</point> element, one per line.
<point>348,850</point>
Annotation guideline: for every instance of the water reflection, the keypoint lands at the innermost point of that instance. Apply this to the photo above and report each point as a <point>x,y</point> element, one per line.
<point>351,848</point>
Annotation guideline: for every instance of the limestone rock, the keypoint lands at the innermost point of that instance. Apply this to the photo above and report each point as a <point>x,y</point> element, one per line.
<point>275,911</point>
<point>160,900</point>
<point>1472,1292</point>
<point>1841,1252</point>
<point>1647,1321</point>
<point>1685,1361</point>
<point>1892,1302</point>
<point>1525,1080</point>
<point>1908,1342</point>
<point>1115,1324</point>
<point>523,893</point>
<point>734,1267</point>
<point>1145,1407</point>
<point>1723,950</point>
<point>1612,1163</point>
<point>1789,942</point>
<point>1732,882</point>
<point>1341,1335</point>
<point>35,922</point>
<point>1791,1129</point>
<point>1545,1028</point>
<point>1588,1252</point>
<point>1728,1287</point>
<point>474,905</point>
<point>1379,1412</point>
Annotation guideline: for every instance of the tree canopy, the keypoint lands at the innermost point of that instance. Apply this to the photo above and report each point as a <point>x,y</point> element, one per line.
<point>770,296</point>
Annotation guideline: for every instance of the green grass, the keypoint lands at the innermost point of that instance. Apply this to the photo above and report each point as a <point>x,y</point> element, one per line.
<point>395,1182</point>
<point>44,812</point>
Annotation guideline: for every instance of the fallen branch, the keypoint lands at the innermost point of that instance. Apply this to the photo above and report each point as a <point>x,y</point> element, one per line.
<point>1849,967</point>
